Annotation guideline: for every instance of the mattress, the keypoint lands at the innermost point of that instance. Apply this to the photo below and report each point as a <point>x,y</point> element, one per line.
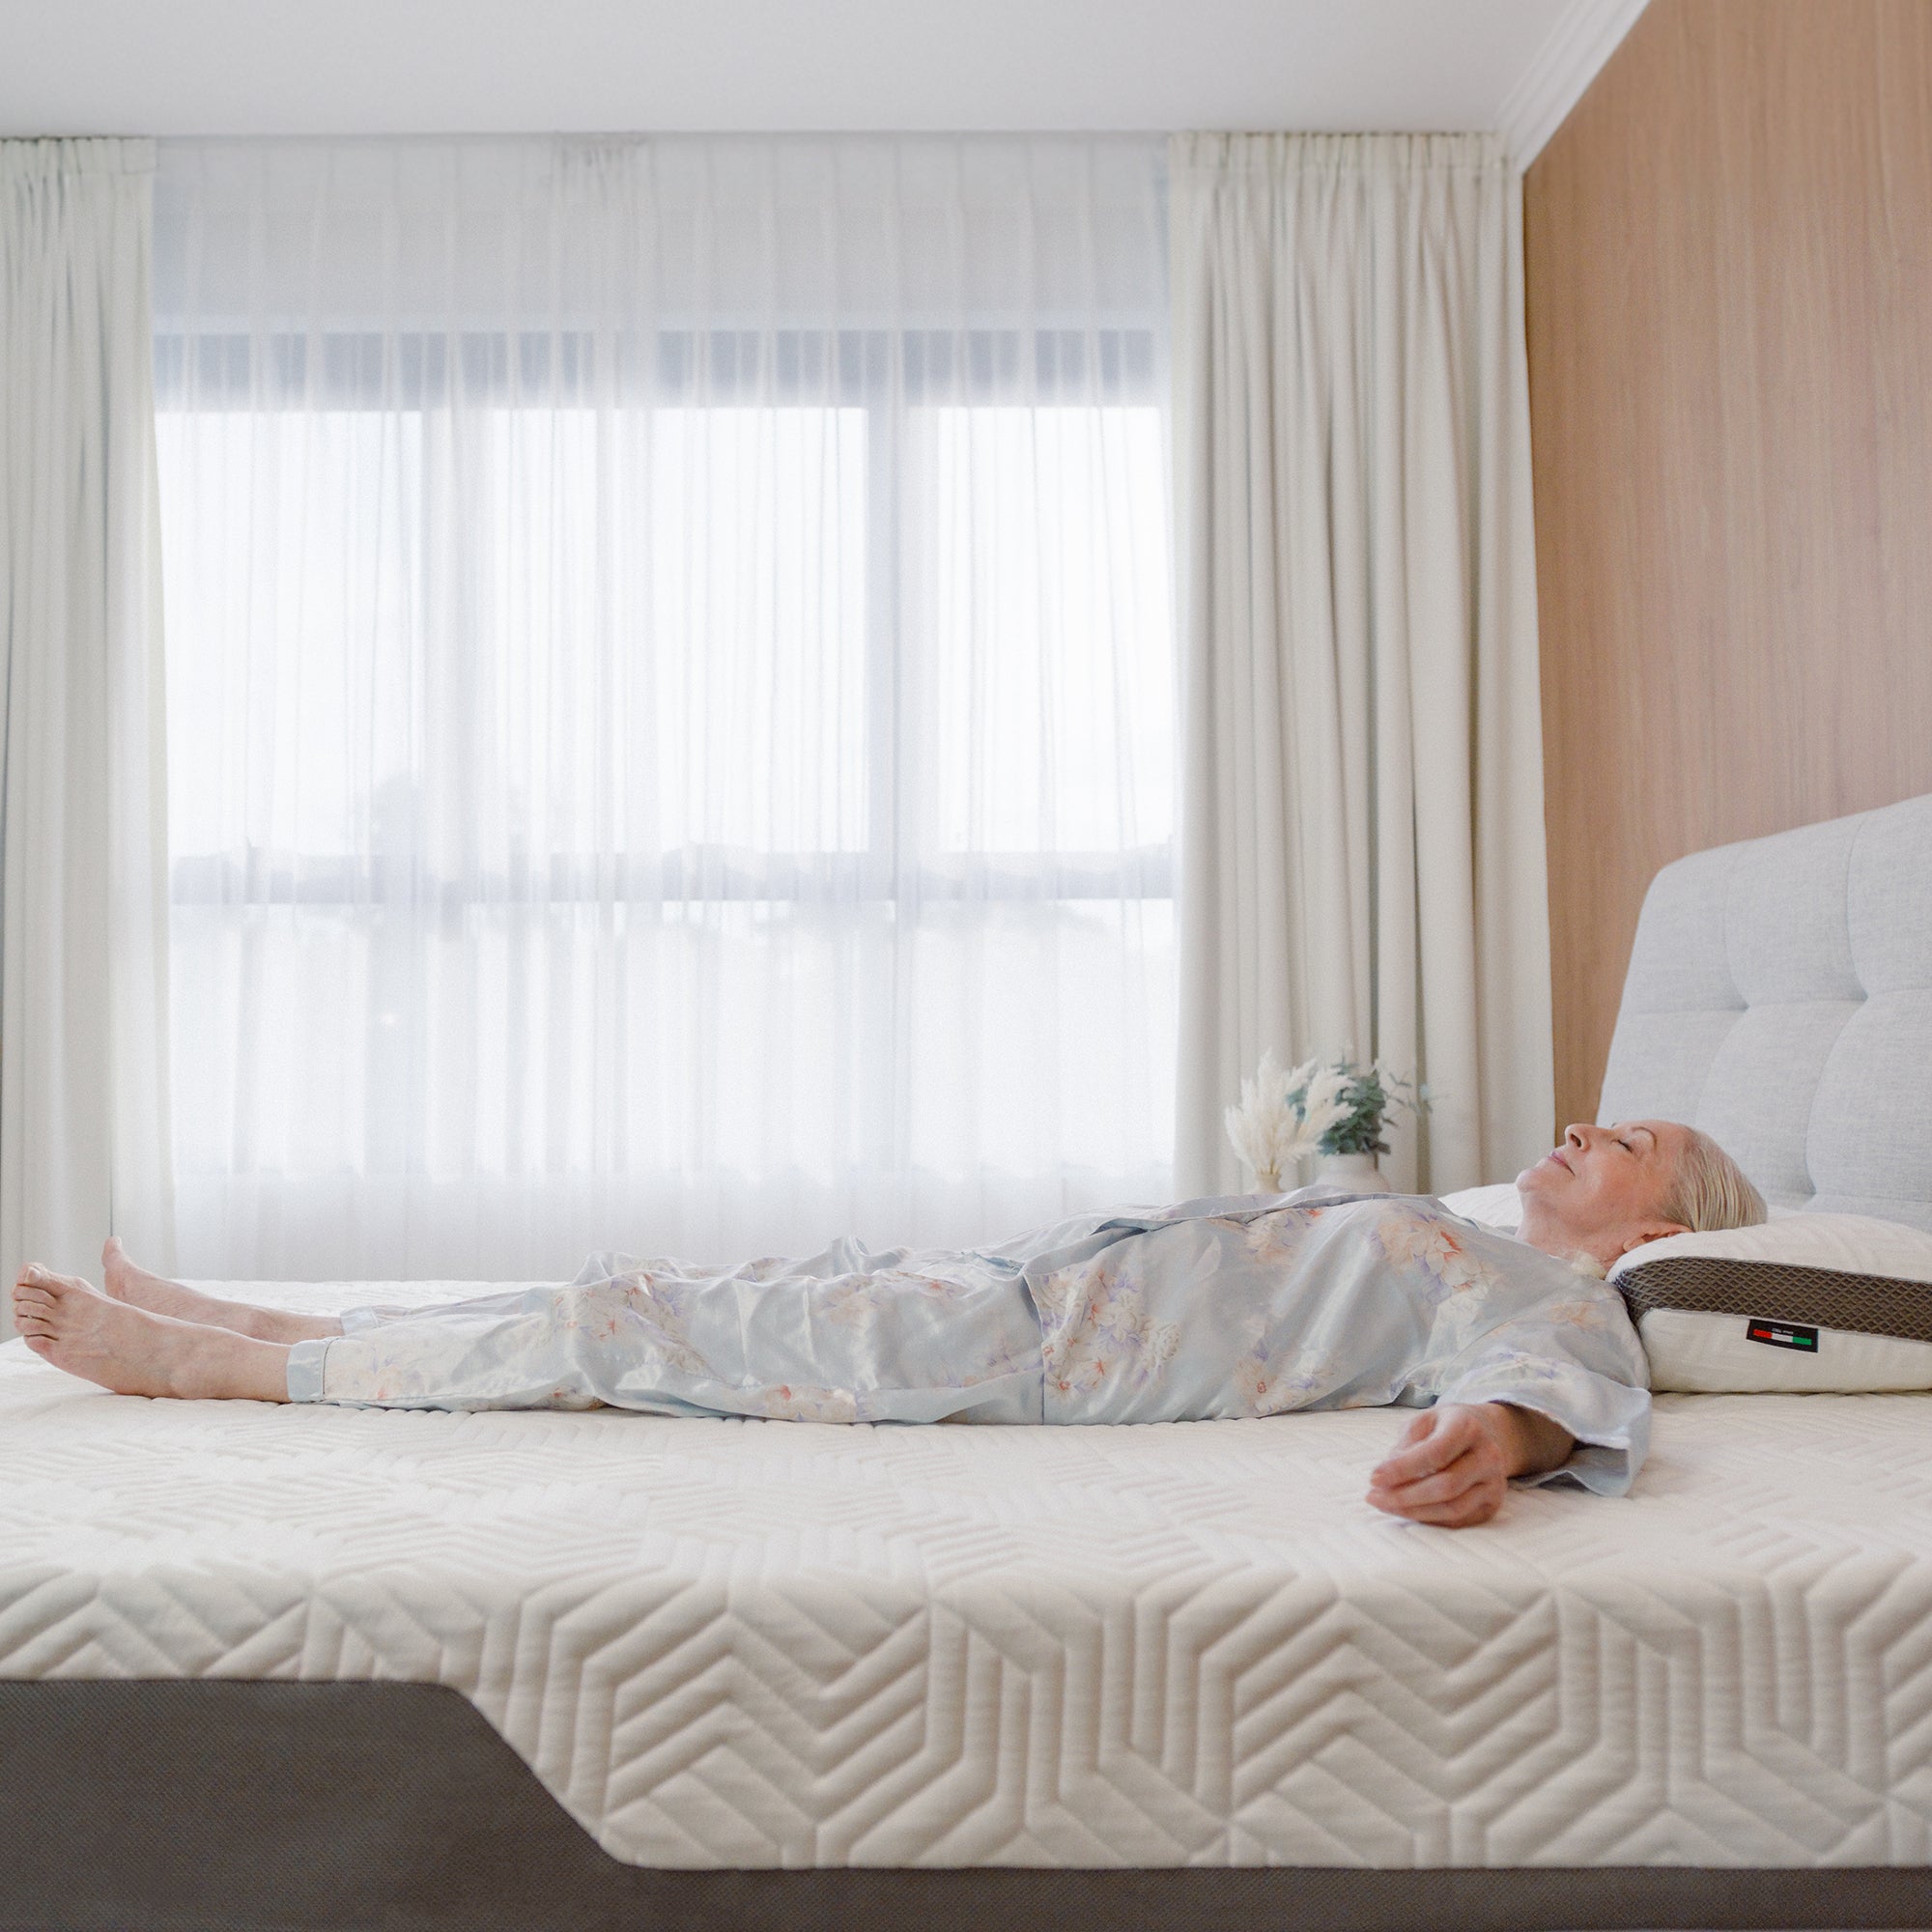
<point>763,1645</point>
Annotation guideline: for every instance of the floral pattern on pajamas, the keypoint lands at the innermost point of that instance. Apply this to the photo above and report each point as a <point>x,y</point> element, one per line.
<point>1239,1306</point>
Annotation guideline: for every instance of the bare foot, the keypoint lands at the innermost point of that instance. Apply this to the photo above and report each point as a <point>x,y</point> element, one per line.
<point>133,1352</point>
<point>134,1285</point>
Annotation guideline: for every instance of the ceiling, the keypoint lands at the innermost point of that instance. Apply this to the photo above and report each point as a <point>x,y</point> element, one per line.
<point>361,67</point>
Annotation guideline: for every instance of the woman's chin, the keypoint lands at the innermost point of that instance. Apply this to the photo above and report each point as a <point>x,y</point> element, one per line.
<point>1544,1174</point>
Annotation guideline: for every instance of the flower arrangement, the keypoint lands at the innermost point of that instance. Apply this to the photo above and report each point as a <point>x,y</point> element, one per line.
<point>1287,1113</point>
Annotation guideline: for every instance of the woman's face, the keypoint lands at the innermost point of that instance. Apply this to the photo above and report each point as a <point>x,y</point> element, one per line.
<point>1607,1187</point>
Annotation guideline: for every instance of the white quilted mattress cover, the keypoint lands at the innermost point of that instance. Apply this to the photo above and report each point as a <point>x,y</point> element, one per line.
<point>758,1644</point>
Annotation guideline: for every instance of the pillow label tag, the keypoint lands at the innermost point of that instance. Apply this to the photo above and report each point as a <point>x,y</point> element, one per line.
<point>1783,1335</point>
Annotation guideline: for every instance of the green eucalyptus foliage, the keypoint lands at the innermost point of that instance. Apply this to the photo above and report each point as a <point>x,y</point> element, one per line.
<point>1372,1096</point>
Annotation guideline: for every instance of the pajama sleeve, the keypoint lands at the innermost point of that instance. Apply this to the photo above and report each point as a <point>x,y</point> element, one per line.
<point>1576,1359</point>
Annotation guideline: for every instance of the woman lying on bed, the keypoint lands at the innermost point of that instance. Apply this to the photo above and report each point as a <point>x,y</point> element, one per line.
<point>1523,1359</point>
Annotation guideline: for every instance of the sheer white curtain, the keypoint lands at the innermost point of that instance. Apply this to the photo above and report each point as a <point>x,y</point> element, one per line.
<point>83,1115</point>
<point>1363,852</point>
<point>670,695</point>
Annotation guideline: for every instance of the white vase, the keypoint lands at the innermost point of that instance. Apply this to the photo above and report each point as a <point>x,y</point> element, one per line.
<point>1356,1172</point>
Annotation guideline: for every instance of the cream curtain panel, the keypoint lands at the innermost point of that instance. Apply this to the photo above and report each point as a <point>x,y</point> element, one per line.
<point>1362,817</point>
<point>83,1099</point>
<point>671,695</point>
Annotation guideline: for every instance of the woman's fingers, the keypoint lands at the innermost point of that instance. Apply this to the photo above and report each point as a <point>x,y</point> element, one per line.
<point>1463,1474</point>
<point>1466,1494</point>
<point>1423,1457</point>
<point>1432,1441</point>
<point>1477,1505</point>
<point>1448,1470</point>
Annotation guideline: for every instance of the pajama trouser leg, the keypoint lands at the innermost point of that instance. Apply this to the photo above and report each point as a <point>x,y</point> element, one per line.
<point>895,1345</point>
<point>495,1351</point>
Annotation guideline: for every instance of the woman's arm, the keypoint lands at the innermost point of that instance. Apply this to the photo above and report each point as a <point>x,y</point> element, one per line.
<point>1454,1461</point>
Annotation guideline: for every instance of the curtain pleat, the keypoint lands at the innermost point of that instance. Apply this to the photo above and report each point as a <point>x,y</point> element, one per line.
<point>1362,821</point>
<point>670,695</point>
<point>83,987</point>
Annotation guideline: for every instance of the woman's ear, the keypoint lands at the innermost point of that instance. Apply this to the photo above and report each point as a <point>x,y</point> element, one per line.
<point>1653,1231</point>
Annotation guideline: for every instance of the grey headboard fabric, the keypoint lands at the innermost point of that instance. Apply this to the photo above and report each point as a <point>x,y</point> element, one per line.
<point>1779,996</point>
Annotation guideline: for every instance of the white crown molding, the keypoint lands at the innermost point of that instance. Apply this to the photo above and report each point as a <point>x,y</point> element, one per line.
<point>1586,34</point>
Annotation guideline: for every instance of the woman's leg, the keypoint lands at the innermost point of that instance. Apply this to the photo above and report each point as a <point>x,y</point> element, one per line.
<point>893,1344</point>
<point>135,1351</point>
<point>139,1289</point>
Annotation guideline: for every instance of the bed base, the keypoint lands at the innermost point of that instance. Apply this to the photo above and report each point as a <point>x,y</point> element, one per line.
<point>224,1806</point>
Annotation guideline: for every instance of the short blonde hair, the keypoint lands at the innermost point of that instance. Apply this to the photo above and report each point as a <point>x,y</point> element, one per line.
<point>1708,1190</point>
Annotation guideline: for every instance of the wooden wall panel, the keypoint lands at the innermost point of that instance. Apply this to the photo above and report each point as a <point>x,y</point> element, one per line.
<point>1729,286</point>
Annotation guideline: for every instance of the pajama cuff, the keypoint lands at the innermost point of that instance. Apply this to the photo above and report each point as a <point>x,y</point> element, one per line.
<point>305,1366</point>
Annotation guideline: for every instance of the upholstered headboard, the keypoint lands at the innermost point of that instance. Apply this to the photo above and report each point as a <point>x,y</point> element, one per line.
<point>1779,996</point>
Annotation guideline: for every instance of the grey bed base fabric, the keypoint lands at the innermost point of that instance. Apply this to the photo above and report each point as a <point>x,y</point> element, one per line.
<point>229,1806</point>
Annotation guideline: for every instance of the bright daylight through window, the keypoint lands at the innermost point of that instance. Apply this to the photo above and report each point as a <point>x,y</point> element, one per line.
<point>687,790</point>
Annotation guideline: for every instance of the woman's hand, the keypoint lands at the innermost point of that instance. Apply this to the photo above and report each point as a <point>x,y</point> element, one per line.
<point>1453,1464</point>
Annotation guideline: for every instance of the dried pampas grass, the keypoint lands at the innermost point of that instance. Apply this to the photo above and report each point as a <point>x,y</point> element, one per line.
<point>1283,1116</point>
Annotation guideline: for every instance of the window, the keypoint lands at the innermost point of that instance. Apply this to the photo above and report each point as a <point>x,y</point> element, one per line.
<point>691,790</point>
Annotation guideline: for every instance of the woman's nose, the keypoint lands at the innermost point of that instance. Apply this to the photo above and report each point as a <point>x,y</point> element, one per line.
<point>1576,1134</point>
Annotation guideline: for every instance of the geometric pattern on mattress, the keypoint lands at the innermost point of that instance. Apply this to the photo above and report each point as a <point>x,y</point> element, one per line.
<point>724,1643</point>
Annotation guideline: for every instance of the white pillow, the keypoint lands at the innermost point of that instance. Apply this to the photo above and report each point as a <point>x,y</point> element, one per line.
<point>1818,1302</point>
<point>1498,1207</point>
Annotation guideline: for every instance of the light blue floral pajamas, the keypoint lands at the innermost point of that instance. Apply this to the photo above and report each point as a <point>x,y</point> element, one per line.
<point>1241,1306</point>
